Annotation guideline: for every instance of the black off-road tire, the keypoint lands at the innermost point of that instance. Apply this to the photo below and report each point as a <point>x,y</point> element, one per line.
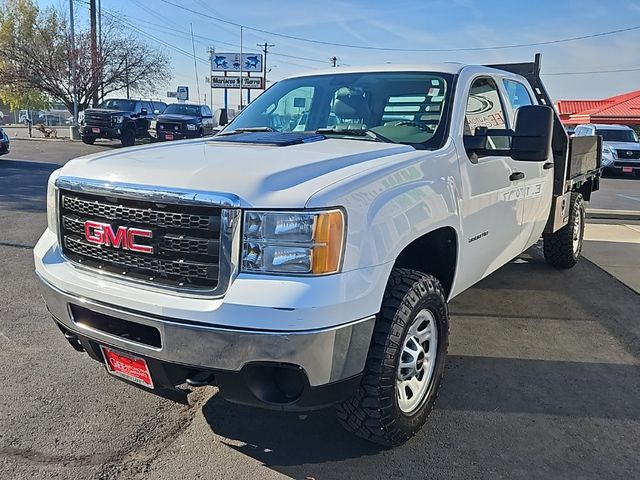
<point>373,412</point>
<point>128,137</point>
<point>88,140</point>
<point>559,248</point>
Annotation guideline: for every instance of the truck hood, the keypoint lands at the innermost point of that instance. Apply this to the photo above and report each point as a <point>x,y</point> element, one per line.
<point>105,111</point>
<point>175,117</point>
<point>623,145</point>
<point>261,176</point>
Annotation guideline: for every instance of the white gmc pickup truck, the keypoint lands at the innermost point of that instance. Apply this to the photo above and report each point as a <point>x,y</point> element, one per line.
<point>304,256</point>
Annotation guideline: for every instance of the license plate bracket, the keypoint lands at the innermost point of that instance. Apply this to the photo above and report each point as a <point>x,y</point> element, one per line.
<point>127,366</point>
<point>168,136</point>
<point>95,130</point>
<point>627,169</point>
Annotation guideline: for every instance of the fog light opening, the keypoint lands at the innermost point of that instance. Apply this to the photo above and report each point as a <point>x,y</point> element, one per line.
<point>278,384</point>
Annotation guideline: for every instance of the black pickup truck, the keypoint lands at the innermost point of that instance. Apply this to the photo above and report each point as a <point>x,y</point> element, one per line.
<point>182,120</point>
<point>121,119</point>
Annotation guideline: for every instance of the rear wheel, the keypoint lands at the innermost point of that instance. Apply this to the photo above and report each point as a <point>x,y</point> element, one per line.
<point>405,363</point>
<point>128,137</point>
<point>562,249</point>
<point>88,140</point>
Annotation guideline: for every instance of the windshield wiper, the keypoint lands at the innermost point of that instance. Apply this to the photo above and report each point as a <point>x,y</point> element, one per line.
<point>247,130</point>
<point>361,132</point>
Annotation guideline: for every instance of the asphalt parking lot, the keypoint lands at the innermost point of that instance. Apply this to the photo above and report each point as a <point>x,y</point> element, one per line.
<point>542,381</point>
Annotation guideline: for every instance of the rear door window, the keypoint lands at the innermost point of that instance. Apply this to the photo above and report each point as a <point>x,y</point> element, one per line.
<point>517,93</point>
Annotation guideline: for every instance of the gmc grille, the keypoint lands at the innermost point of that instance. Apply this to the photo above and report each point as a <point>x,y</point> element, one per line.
<point>186,239</point>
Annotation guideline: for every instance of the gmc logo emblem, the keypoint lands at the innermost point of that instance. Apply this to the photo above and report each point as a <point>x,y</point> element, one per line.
<point>124,238</point>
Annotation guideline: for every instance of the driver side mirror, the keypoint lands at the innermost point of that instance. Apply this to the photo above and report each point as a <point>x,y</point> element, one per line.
<point>530,142</point>
<point>143,112</point>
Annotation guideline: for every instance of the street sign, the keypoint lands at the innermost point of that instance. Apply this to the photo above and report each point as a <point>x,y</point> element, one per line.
<point>231,62</point>
<point>172,94</point>
<point>234,82</point>
<point>183,93</point>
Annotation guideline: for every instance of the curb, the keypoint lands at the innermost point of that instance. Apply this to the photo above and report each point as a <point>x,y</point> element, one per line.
<point>604,214</point>
<point>38,139</point>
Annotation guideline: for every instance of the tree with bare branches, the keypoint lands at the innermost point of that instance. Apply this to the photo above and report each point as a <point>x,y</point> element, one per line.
<point>37,55</point>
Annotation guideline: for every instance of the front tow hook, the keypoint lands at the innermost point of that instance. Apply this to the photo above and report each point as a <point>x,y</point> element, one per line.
<point>201,379</point>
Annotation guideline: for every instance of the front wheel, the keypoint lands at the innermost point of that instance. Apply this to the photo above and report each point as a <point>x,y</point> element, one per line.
<point>405,363</point>
<point>128,137</point>
<point>562,249</point>
<point>88,140</point>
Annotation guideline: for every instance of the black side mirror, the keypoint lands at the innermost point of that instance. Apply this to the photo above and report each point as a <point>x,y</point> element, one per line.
<point>143,112</point>
<point>477,142</point>
<point>530,141</point>
<point>534,130</point>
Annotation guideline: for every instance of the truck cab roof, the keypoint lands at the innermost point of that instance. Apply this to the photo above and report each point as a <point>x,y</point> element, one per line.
<point>443,67</point>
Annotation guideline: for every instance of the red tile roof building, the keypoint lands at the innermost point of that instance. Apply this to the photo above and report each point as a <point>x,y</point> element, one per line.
<point>622,109</point>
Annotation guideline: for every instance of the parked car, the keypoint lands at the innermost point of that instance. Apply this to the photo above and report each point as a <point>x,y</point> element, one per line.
<point>182,120</point>
<point>620,147</point>
<point>118,118</point>
<point>24,116</point>
<point>49,119</point>
<point>300,270</point>
<point>4,142</point>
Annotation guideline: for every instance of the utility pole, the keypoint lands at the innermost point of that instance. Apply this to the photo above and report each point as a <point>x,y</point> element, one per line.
<point>334,61</point>
<point>195,65</point>
<point>241,64</point>
<point>211,52</point>
<point>94,53</point>
<point>73,67</point>
<point>265,48</point>
<point>100,49</point>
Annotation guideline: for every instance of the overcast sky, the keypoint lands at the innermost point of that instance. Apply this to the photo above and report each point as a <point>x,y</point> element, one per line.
<point>416,24</point>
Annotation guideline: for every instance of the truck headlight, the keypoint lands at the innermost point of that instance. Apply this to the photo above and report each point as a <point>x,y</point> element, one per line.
<point>610,151</point>
<point>191,126</point>
<point>308,243</point>
<point>52,191</point>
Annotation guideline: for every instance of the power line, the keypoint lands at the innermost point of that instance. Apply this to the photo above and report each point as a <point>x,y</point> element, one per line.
<point>390,49</point>
<point>210,40</point>
<point>632,69</point>
<point>117,19</point>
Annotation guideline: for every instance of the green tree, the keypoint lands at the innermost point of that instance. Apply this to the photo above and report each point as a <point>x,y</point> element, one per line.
<point>23,99</point>
<point>36,57</point>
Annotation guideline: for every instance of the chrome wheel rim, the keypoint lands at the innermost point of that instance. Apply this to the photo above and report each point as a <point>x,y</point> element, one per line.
<point>417,362</point>
<point>577,226</point>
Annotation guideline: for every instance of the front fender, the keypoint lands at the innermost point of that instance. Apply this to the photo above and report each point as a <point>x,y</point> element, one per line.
<point>389,207</point>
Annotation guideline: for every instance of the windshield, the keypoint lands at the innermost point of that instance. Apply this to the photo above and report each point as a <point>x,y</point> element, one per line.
<point>401,107</point>
<point>181,109</point>
<point>115,104</point>
<point>617,135</point>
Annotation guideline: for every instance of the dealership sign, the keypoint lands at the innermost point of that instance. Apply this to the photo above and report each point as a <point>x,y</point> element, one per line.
<point>233,62</point>
<point>234,82</point>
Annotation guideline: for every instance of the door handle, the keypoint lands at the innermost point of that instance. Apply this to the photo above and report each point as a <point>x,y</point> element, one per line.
<point>516,176</point>
<point>547,165</point>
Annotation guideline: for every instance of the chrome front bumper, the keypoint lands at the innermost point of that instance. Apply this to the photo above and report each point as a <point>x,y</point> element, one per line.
<point>326,355</point>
